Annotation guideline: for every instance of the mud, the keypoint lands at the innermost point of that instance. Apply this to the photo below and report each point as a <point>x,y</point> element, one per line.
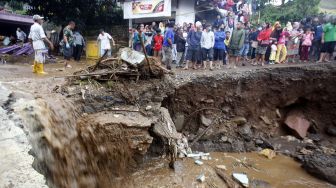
<point>279,172</point>
<point>86,133</point>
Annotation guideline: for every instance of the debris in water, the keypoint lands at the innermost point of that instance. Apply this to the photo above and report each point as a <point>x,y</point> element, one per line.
<point>227,179</point>
<point>201,178</point>
<point>241,178</point>
<point>199,162</point>
<point>205,158</point>
<point>270,154</point>
<point>223,167</point>
<point>192,155</point>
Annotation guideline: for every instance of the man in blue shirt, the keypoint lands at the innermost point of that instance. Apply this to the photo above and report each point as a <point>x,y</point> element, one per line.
<point>316,46</point>
<point>168,42</point>
<point>194,48</point>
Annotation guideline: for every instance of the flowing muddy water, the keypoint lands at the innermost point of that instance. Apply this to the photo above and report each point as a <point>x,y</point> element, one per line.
<point>282,171</point>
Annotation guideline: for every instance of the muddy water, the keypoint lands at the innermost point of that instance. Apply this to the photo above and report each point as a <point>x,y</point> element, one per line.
<point>279,172</point>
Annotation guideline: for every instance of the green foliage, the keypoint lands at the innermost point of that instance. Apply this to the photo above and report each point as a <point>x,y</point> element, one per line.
<point>86,13</point>
<point>15,5</point>
<point>294,10</point>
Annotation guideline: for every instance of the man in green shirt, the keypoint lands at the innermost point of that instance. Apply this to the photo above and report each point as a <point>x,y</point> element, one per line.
<point>68,39</point>
<point>328,40</point>
<point>236,44</point>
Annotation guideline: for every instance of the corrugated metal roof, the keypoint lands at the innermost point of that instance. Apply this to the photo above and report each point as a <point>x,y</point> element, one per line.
<point>6,17</point>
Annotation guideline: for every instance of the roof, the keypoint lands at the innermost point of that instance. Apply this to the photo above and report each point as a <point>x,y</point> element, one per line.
<point>7,17</point>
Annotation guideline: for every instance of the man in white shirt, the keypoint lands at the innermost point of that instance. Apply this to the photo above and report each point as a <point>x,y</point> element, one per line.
<point>105,45</point>
<point>21,36</point>
<point>38,37</point>
<point>207,44</point>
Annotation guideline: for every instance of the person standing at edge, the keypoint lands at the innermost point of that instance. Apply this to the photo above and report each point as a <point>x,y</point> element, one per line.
<point>180,47</point>
<point>105,45</point>
<point>207,44</point>
<point>219,48</point>
<point>328,40</point>
<point>38,37</point>
<point>316,46</point>
<point>68,39</point>
<point>168,45</point>
<point>236,44</point>
<point>194,46</point>
<point>246,47</point>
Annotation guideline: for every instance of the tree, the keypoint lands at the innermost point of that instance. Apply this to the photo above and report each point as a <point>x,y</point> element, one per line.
<point>293,10</point>
<point>86,13</point>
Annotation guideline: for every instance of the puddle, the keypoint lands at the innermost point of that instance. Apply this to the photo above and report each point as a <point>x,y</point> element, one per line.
<point>279,172</point>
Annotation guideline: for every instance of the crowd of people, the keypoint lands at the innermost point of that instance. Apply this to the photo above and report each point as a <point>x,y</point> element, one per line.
<point>236,43</point>
<point>229,41</point>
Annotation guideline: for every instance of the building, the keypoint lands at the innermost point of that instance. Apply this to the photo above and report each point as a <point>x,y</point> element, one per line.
<point>9,22</point>
<point>182,11</point>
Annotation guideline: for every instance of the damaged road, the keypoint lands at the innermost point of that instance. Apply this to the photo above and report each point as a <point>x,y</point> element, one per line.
<point>99,130</point>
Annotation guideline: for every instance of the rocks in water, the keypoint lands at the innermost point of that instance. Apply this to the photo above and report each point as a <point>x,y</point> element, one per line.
<point>321,165</point>
<point>241,178</point>
<point>199,162</point>
<point>239,120</point>
<point>178,167</point>
<point>260,184</point>
<point>270,154</point>
<point>201,178</point>
<point>297,122</point>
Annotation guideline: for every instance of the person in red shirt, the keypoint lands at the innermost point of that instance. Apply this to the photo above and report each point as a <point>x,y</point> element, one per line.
<point>157,44</point>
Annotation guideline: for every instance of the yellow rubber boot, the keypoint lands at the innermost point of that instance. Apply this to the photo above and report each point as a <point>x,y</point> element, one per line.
<point>35,67</point>
<point>40,68</point>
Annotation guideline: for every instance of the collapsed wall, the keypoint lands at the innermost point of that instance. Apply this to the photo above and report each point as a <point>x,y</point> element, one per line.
<point>252,106</point>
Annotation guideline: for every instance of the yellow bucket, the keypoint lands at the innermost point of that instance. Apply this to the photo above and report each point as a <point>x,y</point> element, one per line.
<point>92,50</point>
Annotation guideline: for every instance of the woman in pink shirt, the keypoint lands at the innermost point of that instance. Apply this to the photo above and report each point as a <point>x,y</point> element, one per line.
<point>307,39</point>
<point>281,54</point>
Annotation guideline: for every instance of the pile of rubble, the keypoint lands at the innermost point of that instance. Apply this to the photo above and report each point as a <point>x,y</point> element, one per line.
<point>128,64</point>
<point>24,49</point>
